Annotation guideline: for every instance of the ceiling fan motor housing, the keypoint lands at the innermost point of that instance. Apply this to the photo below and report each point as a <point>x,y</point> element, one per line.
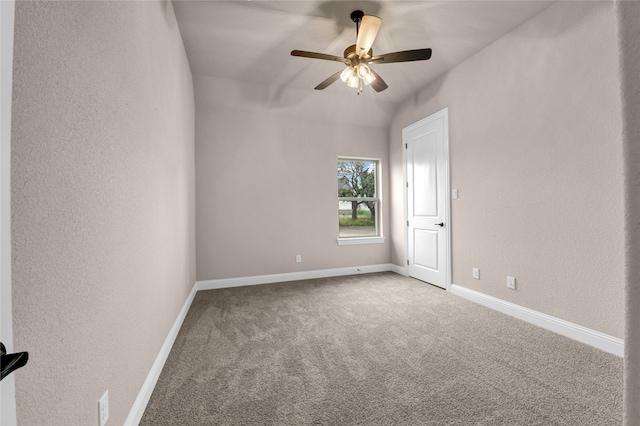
<point>350,53</point>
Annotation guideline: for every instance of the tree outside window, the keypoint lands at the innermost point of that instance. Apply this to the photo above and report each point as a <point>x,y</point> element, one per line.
<point>358,198</point>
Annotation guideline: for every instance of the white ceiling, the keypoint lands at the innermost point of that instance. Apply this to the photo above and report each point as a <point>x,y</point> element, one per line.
<point>251,41</point>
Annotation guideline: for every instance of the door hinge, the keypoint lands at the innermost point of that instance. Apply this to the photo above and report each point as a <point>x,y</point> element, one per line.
<point>407,184</point>
<point>407,262</point>
<point>406,146</point>
<point>407,223</point>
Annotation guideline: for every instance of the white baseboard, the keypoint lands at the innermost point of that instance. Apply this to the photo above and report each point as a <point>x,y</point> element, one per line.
<point>140,404</point>
<point>585,335</point>
<point>293,276</point>
<point>400,270</point>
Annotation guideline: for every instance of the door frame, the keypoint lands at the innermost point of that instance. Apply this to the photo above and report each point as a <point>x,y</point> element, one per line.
<point>444,114</point>
<point>7,386</point>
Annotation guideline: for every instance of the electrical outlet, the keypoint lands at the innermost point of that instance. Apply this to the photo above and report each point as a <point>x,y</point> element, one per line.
<point>103,409</point>
<point>298,258</point>
<point>454,193</point>
<point>476,273</point>
<point>511,283</point>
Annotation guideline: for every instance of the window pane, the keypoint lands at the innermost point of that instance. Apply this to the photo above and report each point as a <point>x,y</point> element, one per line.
<point>357,178</point>
<point>357,219</point>
<point>358,196</point>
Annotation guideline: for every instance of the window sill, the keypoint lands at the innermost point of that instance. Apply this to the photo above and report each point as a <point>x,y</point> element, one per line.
<point>360,240</point>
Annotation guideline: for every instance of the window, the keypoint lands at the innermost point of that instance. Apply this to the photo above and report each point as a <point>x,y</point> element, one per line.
<point>358,201</point>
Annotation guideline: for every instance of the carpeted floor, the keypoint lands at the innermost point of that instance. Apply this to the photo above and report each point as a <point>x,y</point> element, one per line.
<point>377,349</point>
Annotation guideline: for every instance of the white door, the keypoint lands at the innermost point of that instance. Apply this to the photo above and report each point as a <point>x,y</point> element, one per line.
<point>427,199</point>
<point>7,385</point>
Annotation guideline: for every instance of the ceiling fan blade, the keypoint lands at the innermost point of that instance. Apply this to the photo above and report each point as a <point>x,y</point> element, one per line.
<point>367,33</point>
<point>315,55</point>
<point>329,81</point>
<point>404,56</point>
<point>378,84</point>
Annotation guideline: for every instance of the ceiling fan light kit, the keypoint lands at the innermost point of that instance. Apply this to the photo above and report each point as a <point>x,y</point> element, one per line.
<point>358,74</point>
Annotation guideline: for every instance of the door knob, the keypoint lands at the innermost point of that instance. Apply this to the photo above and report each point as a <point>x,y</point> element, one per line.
<point>11,362</point>
<point>441,224</point>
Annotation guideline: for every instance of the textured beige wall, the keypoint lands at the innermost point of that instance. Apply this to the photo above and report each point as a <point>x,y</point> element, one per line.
<point>628,14</point>
<point>103,201</point>
<point>536,154</point>
<point>266,186</point>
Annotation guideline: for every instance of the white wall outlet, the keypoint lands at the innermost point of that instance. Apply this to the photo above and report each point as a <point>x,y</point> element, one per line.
<point>298,258</point>
<point>476,273</point>
<point>454,193</point>
<point>103,409</point>
<point>511,283</point>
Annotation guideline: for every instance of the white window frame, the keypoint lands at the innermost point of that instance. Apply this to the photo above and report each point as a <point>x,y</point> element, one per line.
<point>374,239</point>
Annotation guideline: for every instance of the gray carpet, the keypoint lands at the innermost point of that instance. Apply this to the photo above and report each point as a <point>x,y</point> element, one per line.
<point>377,349</point>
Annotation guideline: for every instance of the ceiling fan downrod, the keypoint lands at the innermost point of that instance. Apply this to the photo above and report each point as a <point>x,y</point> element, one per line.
<point>356,16</point>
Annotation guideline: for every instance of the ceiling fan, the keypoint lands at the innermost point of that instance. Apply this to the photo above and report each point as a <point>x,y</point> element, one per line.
<point>359,56</point>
